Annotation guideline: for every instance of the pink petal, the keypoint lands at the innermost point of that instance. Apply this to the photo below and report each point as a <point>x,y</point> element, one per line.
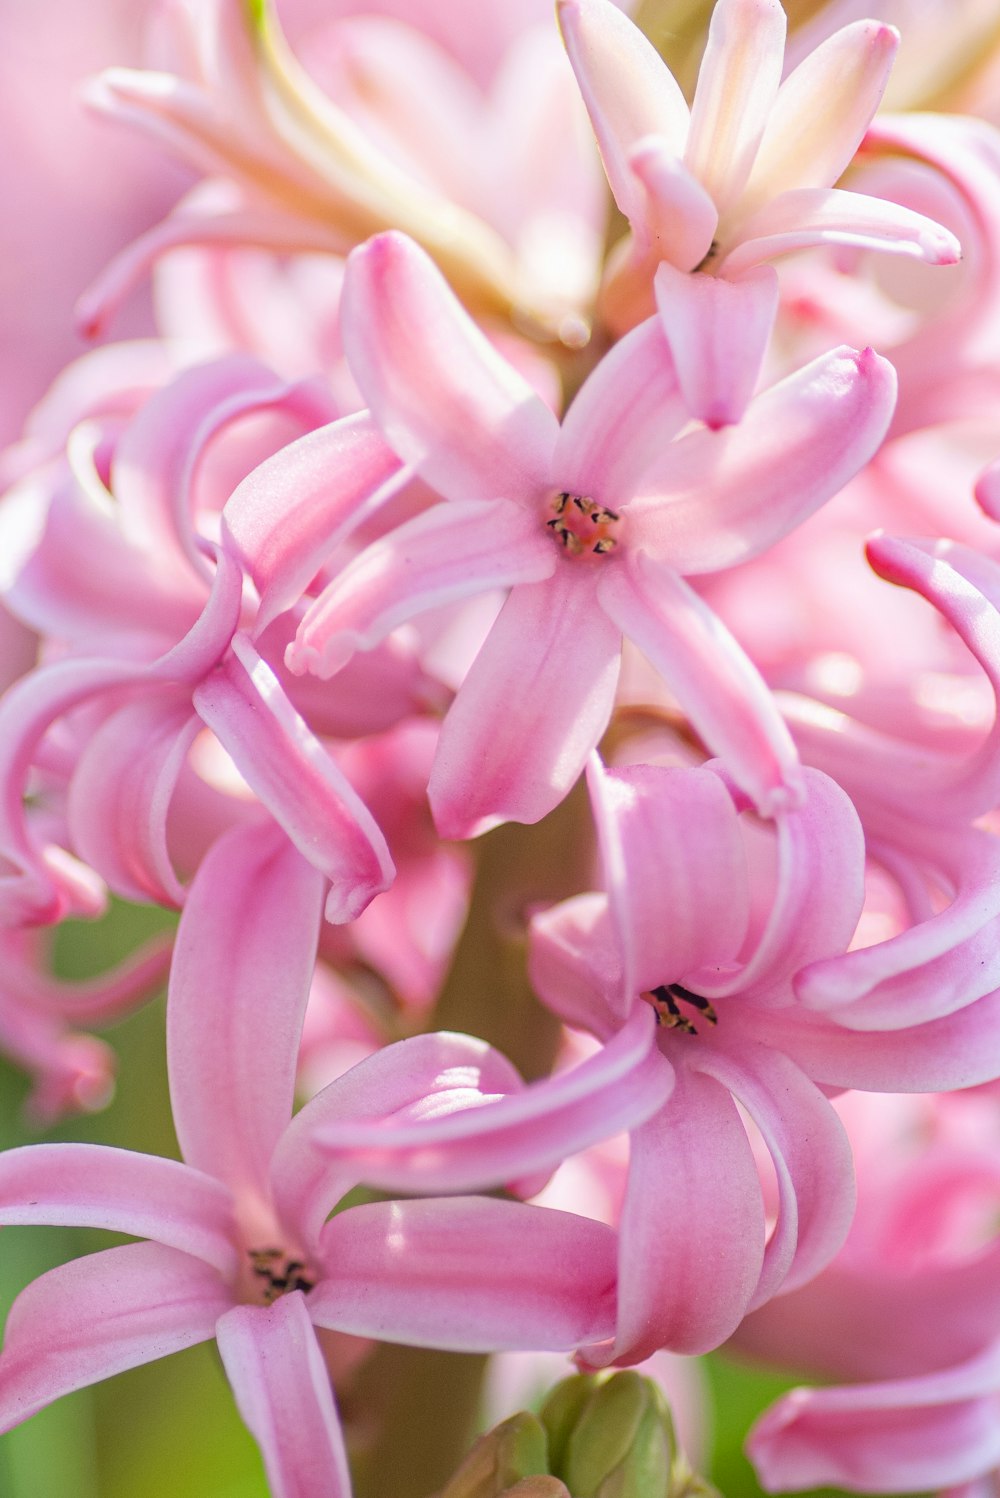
<point>575,965</point>
<point>808,216</point>
<point>495,1142</point>
<point>99,1315</point>
<point>282,1390</point>
<point>532,707</point>
<point>399,1078</point>
<point>674,867</point>
<point>715,499</point>
<point>718,329</point>
<point>120,796</point>
<point>810,1151</point>
<point>679,219</point>
<point>108,996</point>
<point>914,1433</point>
<point>469,1274</point>
<point>292,774</point>
<point>737,84</point>
<point>286,516</point>
<point>718,687</point>
<point>624,414</point>
<point>692,1240</point>
<point>446,401</point>
<point>244,959</point>
<point>822,110</point>
<point>93,1185</point>
<point>446,554</point>
<point>628,90</point>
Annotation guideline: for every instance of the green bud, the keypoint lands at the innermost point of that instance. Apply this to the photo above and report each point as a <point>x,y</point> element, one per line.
<point>497,1463</point>
<point>621,1444</point>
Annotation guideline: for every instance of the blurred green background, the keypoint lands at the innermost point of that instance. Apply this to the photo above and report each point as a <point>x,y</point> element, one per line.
<point>170,1428</point>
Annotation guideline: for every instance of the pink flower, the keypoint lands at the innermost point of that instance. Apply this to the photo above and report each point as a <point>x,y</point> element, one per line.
<point>240,1247</point>
<point>591,525</point>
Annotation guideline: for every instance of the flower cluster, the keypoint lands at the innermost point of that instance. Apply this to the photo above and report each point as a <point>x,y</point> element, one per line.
<point>532,607</point>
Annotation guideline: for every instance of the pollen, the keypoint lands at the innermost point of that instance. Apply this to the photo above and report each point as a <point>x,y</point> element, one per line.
<point>666,1000</point>
<point>582,527</point>
<point>276,1273</point>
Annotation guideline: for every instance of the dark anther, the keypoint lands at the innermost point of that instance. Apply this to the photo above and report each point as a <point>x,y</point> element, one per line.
<point>666,997</point>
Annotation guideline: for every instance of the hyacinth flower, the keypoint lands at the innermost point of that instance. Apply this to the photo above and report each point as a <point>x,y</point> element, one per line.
<point>591,525</point>
<point>688,928</point>
<point>240,1247</point>
<point>744,175</point>
<point>291,171</point>
<point>157,652</point>
<point>910,1304</point>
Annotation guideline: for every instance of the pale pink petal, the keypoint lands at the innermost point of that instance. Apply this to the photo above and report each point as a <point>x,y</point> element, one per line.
<point>292,774</point>
<point>628,90</point>
<point>469,1274</point>
<point>99,1315</point>
<point>282,1389</point>
<point>622,417</point>
<point>679,219</point>
<point>100,999</point>
<point>716,684</point>
<point>822,111</point>
<point>718,328</point>
<point>480,1144</point>
<point>211,634</point>
<point>692,1238</point>
<point>286,516</point>
<point>737,84</point>
<point>446,401</point>
<point>808,216</point>
<point>674,867</point>
<point>534,704</point>
<point>120,796</point>
<point>575,965</point>
<point>411,1074</point>
<point>884,1438</point>
<point>714,499</point>
<point>157,454</point>
<point>446,554</point>
<point>244,959</point>
<point>93,1185</point>
<point>810,1151</point>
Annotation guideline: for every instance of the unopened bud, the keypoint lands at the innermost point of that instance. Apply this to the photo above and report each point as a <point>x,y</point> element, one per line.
<point>510,1459</point>
<point>621,1442</point>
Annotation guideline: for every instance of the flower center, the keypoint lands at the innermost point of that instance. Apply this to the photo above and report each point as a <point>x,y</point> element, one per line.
<point>275,1273</point>
<point>666,1000</point>
<point>582,527</point>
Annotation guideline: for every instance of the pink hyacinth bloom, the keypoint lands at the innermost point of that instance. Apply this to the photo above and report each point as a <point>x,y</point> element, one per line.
<point>745,175</point>
<point>679,928</point>
<point>591,525</point>
<point>240,1246</point>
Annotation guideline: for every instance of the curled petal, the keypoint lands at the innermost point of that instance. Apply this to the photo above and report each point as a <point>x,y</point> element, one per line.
<point>93,1185</point>
<point>293,776</point>
<point>446,401</point>
<point>448,553</point>
<point>575,965</point>
<point>243,963</point>
<point>469,1274</point>
<point>532,707</point>
<point>716,684</point>
<point>680,218</point>
<point>282,1390</point>
<point>99,1315</point>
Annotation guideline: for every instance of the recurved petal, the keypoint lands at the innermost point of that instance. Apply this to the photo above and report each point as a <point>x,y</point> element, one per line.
<point>822,111</point>
<point>243,963</point>
<point>805,217</point>
<point>294,777</point>
<point>737,84</point>
<point>286,516</point>
<point>718,328</point>
<point>691,1239</point>
<point>714,499</point>
<point>99,1315</point>
<point>445,400</point>
<point>534,704</point>
<point>575,964</point>
<point>716,684</point>
<point>446,554</point>
<point>628,90</point>
<point>93,1185</point>
<point>679,219</point>
<point>467,1273</point>
<point>282,1389</point>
